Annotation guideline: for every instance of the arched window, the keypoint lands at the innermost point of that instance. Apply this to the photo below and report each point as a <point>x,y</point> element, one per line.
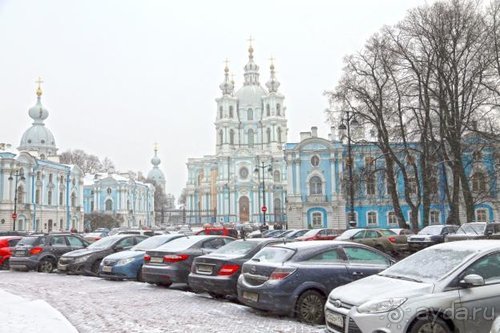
<point>278,109</point>
<point>61,198</point>
<point>220,112</point>
<point>315,160</point>
<point>478,182</point>
<point>231,137</point>
<point>250,114</point>
<point>73,200</point>
<point>315,185</point>
<point>268,131</point>
<point>481,215</point>
<point>20,194</point>
<point>268,110</point>
<point>109,205</point>
<point>49,197</point>
<point>231,111</point>
<point>250,137</point>
<point>279,134</point>
<point>317,218</point>
<point>276,176</point>
<point>221,137</point>
<point>108,190</point>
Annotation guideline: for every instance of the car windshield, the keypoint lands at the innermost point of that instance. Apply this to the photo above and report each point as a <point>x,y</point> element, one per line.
<point>27,241</point>
<point>431,230</point>
<point>471,229</point>
<point>153,242</point>
<point>386,232</point>
<point>430,264</point>
<point>103,243</point>
<point>347,234</point>
<point>240,247</point>
<point>273,254</point>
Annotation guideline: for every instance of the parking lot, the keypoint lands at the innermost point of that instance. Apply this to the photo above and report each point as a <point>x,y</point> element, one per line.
<point>96,305</point>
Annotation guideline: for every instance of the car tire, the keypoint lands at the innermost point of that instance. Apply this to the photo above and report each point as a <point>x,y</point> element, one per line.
<point>94,269</point>
<point>430,323</point>
<point>310,307</point>
<point>164,284</point>
<point>46,265</point>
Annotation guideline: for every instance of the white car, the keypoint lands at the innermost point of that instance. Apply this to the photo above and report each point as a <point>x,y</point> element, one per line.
<point>495,328</point>
<point>449,287</point>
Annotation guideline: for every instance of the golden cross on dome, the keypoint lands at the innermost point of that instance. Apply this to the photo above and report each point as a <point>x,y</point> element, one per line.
<point>39,89</point>
<point>156,146</point>
<point>250,40</point>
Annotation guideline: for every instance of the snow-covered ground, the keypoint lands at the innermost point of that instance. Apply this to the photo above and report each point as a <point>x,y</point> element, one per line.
<point>96,305</point>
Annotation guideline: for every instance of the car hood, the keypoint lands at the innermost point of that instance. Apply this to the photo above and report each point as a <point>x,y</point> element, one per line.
<point>82,252</point>
<point>379,287</point>
<point>126,254</point>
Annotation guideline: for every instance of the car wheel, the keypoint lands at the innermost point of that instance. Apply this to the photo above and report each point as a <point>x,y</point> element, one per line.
<point>430,324</point>
<point>46,266</point>
<point>95,267</point>
<point>164,284</point>
<point>310,307</point>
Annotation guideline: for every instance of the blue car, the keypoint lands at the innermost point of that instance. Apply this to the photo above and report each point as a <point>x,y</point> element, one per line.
<point>128,264</point>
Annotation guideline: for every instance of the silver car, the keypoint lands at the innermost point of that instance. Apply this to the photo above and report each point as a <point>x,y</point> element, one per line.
<point>495,328</point>
<point>450,287</point>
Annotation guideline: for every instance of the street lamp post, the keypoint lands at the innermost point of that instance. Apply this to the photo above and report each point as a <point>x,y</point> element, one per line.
<point>345,124</point>
<point>16,175</point>
<point>257,170</point>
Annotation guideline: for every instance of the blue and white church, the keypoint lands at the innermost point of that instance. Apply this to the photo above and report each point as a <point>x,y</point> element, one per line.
<point>37,192</point>
<point>245,180</point>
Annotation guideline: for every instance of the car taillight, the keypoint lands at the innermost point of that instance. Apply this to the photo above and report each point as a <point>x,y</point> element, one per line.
<point>36,250</point>
<point>147,258</point>
<point>175,257</point>
<point>281,273</point>
<point>227,270</point>
<point>392,239</point>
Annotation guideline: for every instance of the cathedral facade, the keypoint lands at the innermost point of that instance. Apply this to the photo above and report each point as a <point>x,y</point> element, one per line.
<point>245,181</point>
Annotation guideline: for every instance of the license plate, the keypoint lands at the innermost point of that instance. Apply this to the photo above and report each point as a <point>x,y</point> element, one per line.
<point>254,297</point>
<point>107,269</point>
<point>334,319</point>
<point>19,253</point>
<point>204,269</point>
<point>156,260</point>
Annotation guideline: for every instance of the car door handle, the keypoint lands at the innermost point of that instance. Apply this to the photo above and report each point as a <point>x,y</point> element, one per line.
<point>358,273</point>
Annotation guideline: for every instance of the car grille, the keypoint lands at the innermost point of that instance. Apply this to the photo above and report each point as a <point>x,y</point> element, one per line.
<point>66,261</point>
<point>353,328</point>
<point>109,262</point>
<point>419,239</point>
<point>351,325</point>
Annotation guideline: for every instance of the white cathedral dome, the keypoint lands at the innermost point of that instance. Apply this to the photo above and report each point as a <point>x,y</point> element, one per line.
<point>251,95</point>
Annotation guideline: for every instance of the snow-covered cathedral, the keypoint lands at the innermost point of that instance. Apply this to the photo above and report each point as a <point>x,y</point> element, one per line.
<point>245,181</point>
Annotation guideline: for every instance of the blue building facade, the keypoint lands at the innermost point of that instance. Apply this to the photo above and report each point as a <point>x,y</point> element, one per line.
<point>318,192</point>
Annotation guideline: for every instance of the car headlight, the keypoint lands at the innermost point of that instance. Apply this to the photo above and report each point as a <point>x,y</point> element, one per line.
<point>125,261</point>
<point>81,259</point>
<point>380,306</point>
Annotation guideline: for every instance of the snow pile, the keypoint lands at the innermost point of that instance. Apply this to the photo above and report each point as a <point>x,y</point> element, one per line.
<point>22,315</point>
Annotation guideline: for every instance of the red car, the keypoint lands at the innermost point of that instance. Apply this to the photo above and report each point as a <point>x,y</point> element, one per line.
<point>318,234</point>
<point>6,245</point>
<point>222,231</point>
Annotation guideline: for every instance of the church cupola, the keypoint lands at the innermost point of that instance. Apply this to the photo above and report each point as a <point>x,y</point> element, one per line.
<point>227,86</point>
<point>251,70</point>
<point>156,175</point>
<point>273,84</point>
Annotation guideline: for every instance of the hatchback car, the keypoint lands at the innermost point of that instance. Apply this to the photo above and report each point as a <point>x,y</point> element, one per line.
<point>384,240</point>
<point>449,287</point>
<point>128,264</point>
<point>171,263</point>
<point>318,234</point>
<point>430,235</point>
<point>42,251</point>
<point>7,244</point>
<point>295,278</point>
<point>87,261</point>
<point>217,273</point>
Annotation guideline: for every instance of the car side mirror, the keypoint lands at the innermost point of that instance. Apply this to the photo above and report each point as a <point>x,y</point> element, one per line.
<point>472,280</point>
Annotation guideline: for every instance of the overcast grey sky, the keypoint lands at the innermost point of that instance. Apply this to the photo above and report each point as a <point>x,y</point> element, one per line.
<point>120,75</point>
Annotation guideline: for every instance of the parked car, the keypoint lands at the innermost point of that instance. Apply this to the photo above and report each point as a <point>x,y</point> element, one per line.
<point>42,251</point>
<point>94,236</point>
<point>319,234</point>
<point>449,287</point>
<point>136,232</point>
<point>384,240</point>
<point>475,230</point>
<point>402,231</point>
<point>87,261</point>
<point>430,235</point>
<point>7,243</point>
<point>13,233</point>
<point>295,278</point>
<point>128,264</point>
<point>495,328</point>
<point>296,233</point>
<point>231,232</point>
<point>217,273</point>
<point>171,263</point>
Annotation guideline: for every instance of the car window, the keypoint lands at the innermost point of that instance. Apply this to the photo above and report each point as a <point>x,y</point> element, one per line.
<point>13,242</point>
<point>327,257</point>
<point>487,267</point>
<point>359,235</point>
<point>273,254</point>
<point>357,255</point>
<point>322,233</point>
<point>36,240</point>
<point>126,243</point>
<point>213,243</point>
<point>372,234</point>
<point>240,247</point>
<point>75,241</point>
<point>139,239</point>
<point>58,241</point>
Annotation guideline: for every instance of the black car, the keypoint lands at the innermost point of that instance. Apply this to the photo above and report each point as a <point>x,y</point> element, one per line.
<point>42,251</point>
<point>295,278</point>
<point>217,273</point>
<point>171,263</point>
<point>430,235</point>
<point>87,261</point>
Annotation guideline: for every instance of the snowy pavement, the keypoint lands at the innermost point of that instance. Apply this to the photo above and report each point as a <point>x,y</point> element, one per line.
<point>95,305</point>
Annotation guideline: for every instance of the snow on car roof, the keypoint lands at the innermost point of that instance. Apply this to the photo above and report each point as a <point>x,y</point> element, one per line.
<point>473,245</point>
